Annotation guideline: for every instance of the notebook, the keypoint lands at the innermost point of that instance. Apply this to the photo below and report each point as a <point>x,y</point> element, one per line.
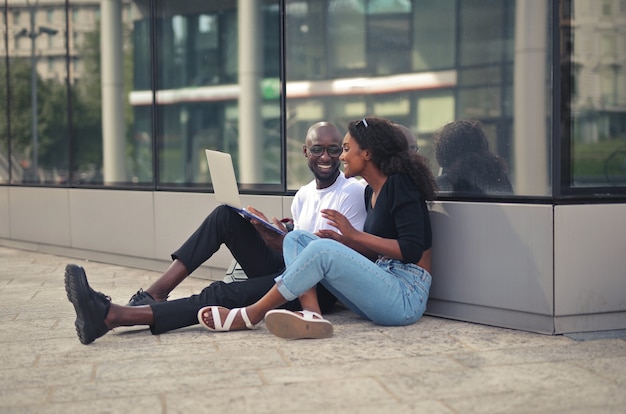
<point>225,186</point>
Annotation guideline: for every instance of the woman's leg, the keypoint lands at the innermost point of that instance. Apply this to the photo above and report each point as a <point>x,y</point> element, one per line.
<point>367,288</point>
<point>396,296</point>
<point>389,294</point>
<point>294,243</point>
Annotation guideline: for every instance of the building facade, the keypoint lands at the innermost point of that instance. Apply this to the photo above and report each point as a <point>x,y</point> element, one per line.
<point>108,105</point>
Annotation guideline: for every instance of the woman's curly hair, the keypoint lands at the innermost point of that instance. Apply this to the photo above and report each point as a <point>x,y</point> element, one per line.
<point>458,138</point>
<point>390,152</point>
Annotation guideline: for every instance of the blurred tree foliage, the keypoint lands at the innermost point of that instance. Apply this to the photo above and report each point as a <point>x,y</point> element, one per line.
<point>85,101</point>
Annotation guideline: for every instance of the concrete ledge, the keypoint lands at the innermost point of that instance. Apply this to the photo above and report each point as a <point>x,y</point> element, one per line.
<point>504,318</point>
<point>203,272</point>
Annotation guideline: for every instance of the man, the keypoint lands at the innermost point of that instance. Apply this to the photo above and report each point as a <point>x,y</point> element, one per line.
<point>257,249</point>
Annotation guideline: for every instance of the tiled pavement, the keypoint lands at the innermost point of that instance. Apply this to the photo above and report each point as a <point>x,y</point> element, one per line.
<point>433,366</point>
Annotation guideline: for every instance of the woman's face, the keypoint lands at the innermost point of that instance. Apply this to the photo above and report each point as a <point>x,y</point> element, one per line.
<point>352,157</point>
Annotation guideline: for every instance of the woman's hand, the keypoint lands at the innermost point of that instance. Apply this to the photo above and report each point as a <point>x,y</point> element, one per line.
<point>367,244</point>
<point>345,231</point>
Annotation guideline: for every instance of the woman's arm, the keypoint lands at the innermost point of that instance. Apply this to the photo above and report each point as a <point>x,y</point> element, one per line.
<point>376,246</point>
<point>367,244</point>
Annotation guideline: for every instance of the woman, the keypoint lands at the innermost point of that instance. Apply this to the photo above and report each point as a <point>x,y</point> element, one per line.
<point>467,165</point>
<point>381,273</point>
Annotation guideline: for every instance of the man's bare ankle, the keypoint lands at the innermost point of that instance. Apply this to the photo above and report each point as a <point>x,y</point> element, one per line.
<point>157,294</point>
<point>159,297</point>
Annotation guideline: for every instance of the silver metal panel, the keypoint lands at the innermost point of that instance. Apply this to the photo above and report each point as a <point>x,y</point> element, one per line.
<point>590,322</point>
<point>39,215</point>
<point>271,206</point>
<point>178,215</point>
<point>287,206</point>
<point>504,318</point>
<point>113,221</point>
<point>590,260</point>
<point>497,256</point>
<point>5,216</point>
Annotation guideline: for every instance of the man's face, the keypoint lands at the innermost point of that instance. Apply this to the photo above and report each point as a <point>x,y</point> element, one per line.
<point>324,165</point>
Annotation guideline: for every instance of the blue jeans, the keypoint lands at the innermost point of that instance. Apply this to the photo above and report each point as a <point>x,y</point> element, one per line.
<point>387,292</point>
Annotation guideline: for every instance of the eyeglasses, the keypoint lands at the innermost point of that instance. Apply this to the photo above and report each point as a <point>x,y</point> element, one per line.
<point>318,150</point>
<point>364,122</point>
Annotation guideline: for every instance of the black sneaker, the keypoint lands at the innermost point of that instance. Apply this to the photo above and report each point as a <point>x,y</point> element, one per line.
<point>141,298</point>
<point>91,307</point>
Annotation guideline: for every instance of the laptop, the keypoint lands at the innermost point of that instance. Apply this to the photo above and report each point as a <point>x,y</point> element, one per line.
<point>225,186</point>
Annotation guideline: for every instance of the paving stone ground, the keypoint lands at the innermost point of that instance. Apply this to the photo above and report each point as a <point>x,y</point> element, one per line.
<point>434,366</point>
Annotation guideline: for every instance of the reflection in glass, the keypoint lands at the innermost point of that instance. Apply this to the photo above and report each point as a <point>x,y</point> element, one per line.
<point>467,164</point>
<point>38,97</point>
<point>100,76</point>
<point>216,83</point>
<point>5,166</point>
<point>423,64</point>
<point>217,87</point>
<point>595,84</point>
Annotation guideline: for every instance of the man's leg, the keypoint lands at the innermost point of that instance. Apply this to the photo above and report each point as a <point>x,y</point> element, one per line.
<point>223,226</point>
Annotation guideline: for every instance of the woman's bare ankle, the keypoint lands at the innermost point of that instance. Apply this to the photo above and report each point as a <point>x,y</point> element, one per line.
<point>255,314</point>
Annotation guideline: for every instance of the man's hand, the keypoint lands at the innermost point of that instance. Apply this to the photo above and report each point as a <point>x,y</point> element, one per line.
<point>271,238</point>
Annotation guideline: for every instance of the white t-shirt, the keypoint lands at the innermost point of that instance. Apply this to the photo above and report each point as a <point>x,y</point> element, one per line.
<point>346,195</point>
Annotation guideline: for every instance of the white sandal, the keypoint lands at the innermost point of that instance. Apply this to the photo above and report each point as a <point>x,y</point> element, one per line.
<point>228,322</point>
<point>298,325</point>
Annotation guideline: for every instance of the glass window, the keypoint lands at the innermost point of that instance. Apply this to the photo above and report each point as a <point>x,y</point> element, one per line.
<point>104,140</point>
<point>594,82</point>
<point>305,42</point>
<point>436,20</point>
<point>217,88</point>
<point>5,164</point>
<point>388,37</point>
<point>424,64</point>
<point>347,29</point>
<point>206,74</point>
<point>38,135</point>
<point>481,31</point>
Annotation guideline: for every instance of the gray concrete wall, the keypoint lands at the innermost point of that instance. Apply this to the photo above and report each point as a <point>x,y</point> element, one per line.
<point>532,267</point>
<point>133,228</point>
<point>493,264</point>
<point>590,267</point>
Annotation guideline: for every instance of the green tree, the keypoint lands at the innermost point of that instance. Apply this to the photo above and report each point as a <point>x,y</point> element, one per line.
<point>51,115</point>
<point>20,103</point>
<point>87,105</point>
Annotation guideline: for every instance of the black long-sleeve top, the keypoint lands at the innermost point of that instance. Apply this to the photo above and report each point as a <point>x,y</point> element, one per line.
<point>400,213</point>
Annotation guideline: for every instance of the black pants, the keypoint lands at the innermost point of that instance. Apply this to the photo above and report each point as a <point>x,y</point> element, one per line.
<point>260,263</point>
